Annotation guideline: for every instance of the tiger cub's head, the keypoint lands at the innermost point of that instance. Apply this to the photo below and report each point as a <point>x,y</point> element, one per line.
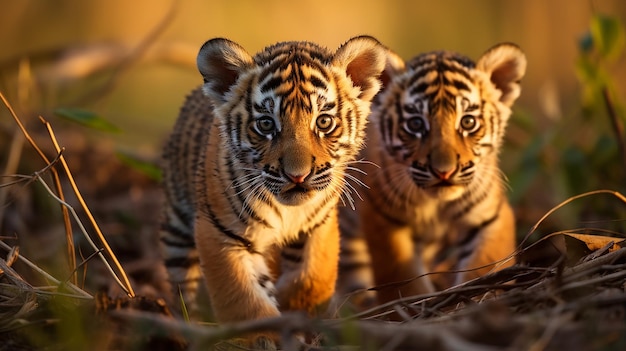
<point>293,115</point>
<point>442,116</point>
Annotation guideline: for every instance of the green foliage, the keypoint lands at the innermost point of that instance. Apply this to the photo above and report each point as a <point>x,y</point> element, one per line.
<point>607,35</point>
<point>582,150</point>
<point>96,122</point>
<point>147,168</point>
<point>599,48</point>
<point>88,119</point>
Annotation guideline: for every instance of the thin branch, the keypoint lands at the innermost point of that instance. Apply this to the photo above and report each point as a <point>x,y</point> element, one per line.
<point>84,231</point>
<point>567,201</point>
<point>11,167</point>
<point>127,286</point>
<point>71,253</point>
<point>45,274</point>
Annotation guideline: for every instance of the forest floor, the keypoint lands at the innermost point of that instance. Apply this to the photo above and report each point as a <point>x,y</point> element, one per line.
<point>567,291</point>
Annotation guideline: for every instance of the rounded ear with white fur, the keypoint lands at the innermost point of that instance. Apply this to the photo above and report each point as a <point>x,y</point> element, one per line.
<point>221,61</point>
<point>363,58</point>
<point>505,64</point>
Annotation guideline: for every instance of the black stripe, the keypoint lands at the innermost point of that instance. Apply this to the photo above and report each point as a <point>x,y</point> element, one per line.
<point>349,266</point>
<point>318,83</point>
<point>177,232</point>
<point>271,84</point>
<point>264,281</point>
<point>308,231</point>
<point>229,233</point>
<point>471,203</point>
<point>290,257</point>
<point>175,243</point>
<point>473,232</point>
<point>297,245</point>
<point>420,88</point>
<point>185,217</point>
<point>460,85</point>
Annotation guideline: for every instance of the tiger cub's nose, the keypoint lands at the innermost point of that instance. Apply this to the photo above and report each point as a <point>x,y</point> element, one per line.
<point>443,174</point>
<point>297,178</point>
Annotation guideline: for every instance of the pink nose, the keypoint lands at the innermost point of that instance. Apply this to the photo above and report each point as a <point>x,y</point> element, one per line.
<point>443,175</point>
<point>297,178</point>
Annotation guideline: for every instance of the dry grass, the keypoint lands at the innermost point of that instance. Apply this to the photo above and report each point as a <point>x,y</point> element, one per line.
<point>566,292</point>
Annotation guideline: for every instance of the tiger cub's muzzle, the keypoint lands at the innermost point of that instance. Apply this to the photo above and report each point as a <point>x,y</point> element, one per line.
<point>295,180</point>
<point>442,170</point>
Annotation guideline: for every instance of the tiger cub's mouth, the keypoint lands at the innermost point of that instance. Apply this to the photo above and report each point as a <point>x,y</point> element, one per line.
<point>443,183</point>
<point>296,194</point>
<point>297,189</point>
<point>445,189</point>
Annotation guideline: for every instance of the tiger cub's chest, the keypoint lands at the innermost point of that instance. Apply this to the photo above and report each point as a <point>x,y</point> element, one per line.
<point>283,224</point>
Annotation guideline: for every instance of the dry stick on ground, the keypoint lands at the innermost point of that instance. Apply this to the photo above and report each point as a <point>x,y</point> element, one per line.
<point>540,312</point>
<point>15,152</point>
<point>71,252</point>
<point>377,334</point>
<point>47,276</point>
<point>126,286</point>
<point>97,252</point>
<point>555,208</point>
<point>88,238</point>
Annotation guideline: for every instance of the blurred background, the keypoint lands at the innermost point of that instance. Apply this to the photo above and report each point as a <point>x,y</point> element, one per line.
<point>131,63</point>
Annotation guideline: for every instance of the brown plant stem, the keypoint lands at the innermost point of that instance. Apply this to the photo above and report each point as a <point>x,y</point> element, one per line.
<point>107,248</point>
<point>71,252</point>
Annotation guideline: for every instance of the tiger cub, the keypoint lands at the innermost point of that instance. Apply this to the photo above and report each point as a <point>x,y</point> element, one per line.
<point>256,165</point>
<point>437,202</point>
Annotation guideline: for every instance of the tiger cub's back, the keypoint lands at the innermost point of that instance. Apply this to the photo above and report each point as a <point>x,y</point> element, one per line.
<point>437,202</point>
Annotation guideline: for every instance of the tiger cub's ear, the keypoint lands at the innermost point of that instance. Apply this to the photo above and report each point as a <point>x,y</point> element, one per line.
<point>505,64</point>
<point>363,59</point>
<point>394,66</point>
<point>221,61</point>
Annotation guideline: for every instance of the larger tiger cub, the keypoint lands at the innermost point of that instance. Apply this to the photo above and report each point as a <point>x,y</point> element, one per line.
<point>437,202</point>
<point>256,165</point>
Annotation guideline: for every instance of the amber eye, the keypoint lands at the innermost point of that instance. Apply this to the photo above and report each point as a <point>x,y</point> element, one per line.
<point>415,125</point>
<point>265,125</point>
<point>325,123</point>
<point>469,123</point>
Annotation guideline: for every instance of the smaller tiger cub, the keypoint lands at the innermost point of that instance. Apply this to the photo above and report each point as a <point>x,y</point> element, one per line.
<point>254,169</point>
<point>438,200</point>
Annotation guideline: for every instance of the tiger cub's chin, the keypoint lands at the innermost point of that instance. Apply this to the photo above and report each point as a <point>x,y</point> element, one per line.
<point>296,195</point>
<point>444,192</point>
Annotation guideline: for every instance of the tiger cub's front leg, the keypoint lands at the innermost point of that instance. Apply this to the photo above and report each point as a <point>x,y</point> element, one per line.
<point>491,250</point>
<point>237,276</point>
<point>399,272</point>
<point>311,286</point>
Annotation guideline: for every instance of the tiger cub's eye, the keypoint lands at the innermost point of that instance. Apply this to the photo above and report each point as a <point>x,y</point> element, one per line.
<point>469,123</point>
<point>325,123</point>
<point>415,125</point>
<point>265,125</point>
